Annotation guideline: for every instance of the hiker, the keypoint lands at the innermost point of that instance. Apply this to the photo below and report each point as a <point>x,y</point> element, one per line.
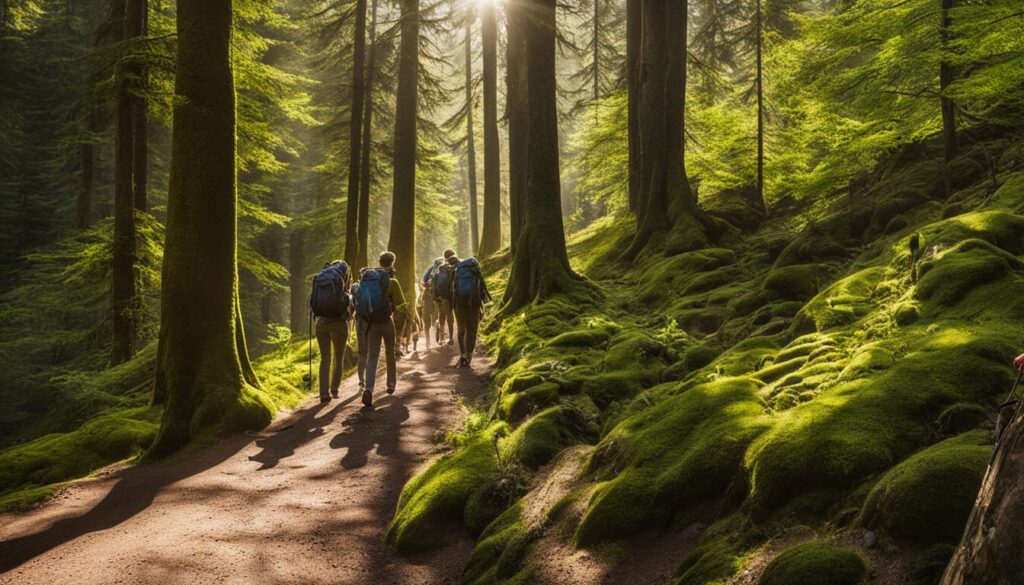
<point>378,297</point>
<point>468,294</point>
<point>427,306</point>
<point>441,285</point>
<point>330,303</point>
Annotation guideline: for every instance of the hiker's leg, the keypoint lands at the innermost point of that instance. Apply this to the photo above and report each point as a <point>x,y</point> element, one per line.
<point>339,338</point>
<point>362,347</point>
<point>472,326</point>
<point>323,341</point>
<point>373,339</point>
<point>460,320</point>
<point>388,333</point>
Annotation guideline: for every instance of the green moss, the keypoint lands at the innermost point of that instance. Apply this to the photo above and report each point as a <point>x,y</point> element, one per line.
<point>498,554</point>
<point>25,499</point>
<point>927,567</point>
<point>537,441</point>
<point>717,555</point>
<point>589,337</point>
<point>815,563</point>
<point>797,282</point>
<point>686,449</point>
<point>811,247</point>
<point>60,457</point>
<point>928,497</point>
<point>516,406</point>
<point>438,495</point>
<point>948,280</point>
<point>662,280</point>
<point>846,300</point>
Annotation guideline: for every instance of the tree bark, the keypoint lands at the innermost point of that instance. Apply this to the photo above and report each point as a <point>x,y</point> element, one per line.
<point>990,550</point>
<point>123,290</point>
<point>945,79</point>
<point>517,104</point>
<point>541,267</point>
<point>471,137</point>
<point>355,124</point>
<point>139,22</point>
<point>491,241</point>
<point>759,40</point>
<point>362,256</point>
<point>634,45</point>
<point>203,375</point>
<point>403,209</point>
<point>665,200</point>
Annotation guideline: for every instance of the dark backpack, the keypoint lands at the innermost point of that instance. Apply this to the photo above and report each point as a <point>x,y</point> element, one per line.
<point>442,283</point>
<point>371,298</point>
<point>468,284</point>
<point>328,298</point>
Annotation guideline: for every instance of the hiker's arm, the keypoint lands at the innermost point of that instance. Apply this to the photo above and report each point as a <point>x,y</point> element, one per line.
<point>1019,363</point>
<point>397,296</point>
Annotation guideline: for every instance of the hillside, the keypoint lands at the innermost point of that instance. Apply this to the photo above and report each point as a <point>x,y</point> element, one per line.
<point>821,385</point>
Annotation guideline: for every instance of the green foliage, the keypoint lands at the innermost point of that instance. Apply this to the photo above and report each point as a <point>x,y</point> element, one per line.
<point>815,563</point>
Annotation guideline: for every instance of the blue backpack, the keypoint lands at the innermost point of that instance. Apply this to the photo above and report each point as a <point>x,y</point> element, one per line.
<point>442,283</point>
<point>328,298</point>
<point>371,299</point>
<point>468,284</point>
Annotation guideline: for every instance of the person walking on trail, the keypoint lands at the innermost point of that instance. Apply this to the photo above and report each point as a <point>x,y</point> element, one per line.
<point>441,286</point>
<point>468,293</point>
<point>330,303</point>
<point>378,297</point>
<point>427,306</point>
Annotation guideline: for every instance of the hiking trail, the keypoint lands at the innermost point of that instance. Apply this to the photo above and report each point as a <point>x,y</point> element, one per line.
<point>306,500</point>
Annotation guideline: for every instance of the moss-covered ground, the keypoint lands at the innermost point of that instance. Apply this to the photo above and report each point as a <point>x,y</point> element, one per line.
<point>836,369</point>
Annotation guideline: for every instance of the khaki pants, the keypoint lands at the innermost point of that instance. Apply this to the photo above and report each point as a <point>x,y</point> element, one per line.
<point>331,333</point>
<point>445,315</point>
<point>370,339</point>
<point>469,324</point>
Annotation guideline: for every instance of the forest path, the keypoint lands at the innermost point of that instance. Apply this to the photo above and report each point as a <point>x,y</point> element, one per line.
<point>305,501</point>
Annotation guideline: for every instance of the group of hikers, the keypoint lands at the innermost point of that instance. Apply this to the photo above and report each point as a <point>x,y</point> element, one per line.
<point>451,297</point>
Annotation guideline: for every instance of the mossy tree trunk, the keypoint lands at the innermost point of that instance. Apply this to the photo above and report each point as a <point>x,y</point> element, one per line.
<point>517,107</point>
<point>402,240</point>
<point>365,180</point>
<point>203,374</point>
<point>471,136</point>
<point>990,549</point>
<point>491,237</point>
<point>355,140</point>
<point>124,310</point>
<point>665,201</point>
<point>541,267</point>
<point>634,40</point>
<point>138,21</point>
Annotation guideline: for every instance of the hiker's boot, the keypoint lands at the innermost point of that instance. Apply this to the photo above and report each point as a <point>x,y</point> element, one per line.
<point>391,390</point>
<point>325,399</point>
<point>335,393</point>
<point>367,398</point>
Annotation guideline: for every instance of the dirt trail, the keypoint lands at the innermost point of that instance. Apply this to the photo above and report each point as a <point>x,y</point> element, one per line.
<point>305,501</point>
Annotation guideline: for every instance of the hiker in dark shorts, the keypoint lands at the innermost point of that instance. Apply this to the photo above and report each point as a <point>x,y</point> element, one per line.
<point>330,303</point>
<point>378,297</point>
<point>468,293</point>
<point>441,286</point>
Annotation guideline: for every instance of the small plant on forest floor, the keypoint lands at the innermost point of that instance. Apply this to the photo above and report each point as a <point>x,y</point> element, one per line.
<point>474,422</point>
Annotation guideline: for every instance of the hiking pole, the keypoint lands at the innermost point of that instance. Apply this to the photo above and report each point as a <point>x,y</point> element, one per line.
<point>1000,423</point>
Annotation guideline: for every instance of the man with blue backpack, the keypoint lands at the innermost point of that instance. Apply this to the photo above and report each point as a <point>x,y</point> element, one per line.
<point>330,303</point>
<point>377,298</point>
<point>468,294</point>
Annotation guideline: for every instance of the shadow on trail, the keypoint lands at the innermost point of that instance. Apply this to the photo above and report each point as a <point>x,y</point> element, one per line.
<point>371,427</point>
<point>136,488</point>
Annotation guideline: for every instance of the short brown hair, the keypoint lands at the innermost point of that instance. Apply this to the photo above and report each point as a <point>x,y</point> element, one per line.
<point>448,253</point>
<point>387,259</point>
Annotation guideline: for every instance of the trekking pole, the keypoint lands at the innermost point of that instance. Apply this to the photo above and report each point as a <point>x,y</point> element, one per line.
<point>1000,426</point>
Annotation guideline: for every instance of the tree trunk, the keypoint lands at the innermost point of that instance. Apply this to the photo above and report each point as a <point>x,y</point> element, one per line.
<point>355,124</point>
<point>517,104</point>
<point>945,79</point>
<point>634,42</point>
<point>124,296</point>
<point>491,241</point>
<point>471,137</point>
<point>759,40</point>
<point>403,209</point>
<point>665,199</point>
<point>203,375</point>
<point>139,21</point>
<point>990,550</point>
<point>86,168</point>
<point>362,256</point>
<point>540,268</point>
